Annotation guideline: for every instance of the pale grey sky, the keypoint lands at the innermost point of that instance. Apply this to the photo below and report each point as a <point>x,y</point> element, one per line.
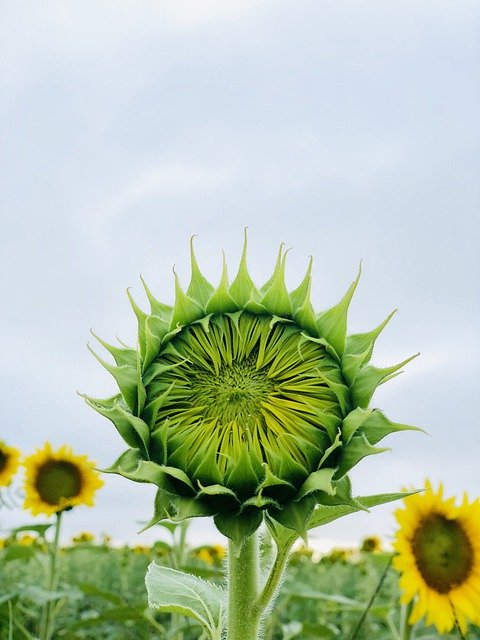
<point>346,130</point>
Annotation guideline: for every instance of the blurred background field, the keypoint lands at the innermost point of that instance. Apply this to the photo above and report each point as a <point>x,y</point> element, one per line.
<point>101,594</point>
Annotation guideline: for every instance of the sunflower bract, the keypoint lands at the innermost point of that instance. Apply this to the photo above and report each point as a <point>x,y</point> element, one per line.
<point>242,401</point>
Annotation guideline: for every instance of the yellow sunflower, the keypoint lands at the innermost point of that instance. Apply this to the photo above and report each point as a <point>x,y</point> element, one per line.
<point>371,544</point>
<point>438,547</point>
<point>9,461</point>
<point>57,480</point>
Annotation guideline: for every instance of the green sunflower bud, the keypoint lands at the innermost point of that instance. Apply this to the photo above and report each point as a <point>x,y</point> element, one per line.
<point>241,402</point>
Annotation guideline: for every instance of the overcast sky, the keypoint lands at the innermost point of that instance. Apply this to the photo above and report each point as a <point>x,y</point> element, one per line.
<point>348,130</point>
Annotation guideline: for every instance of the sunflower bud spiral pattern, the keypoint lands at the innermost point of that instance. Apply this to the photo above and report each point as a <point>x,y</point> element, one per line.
<point>243,402</point>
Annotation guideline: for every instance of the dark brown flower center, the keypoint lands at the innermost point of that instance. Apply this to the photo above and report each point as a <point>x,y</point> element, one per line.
<point>443,552</point>
<point>57,479</point>
<point>3,460</point>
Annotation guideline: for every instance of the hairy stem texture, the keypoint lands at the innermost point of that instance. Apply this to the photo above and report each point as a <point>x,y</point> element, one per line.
<point>243,584</point>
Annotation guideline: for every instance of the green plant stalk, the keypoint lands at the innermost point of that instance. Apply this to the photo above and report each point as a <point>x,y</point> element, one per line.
<point>243,617</point>
<point>46,623</point>
<point>275,576</point>
<point>405,627</point>
<point>372,599</point>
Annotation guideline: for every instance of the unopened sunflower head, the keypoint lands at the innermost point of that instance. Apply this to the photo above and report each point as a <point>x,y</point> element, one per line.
<point>243,401</point>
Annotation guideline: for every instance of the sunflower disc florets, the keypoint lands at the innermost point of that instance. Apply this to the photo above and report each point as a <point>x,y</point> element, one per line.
<point>241,402</point>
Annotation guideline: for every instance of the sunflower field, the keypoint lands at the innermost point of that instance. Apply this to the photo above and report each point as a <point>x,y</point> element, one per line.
<point>101,593</point>
<point>243,404</point>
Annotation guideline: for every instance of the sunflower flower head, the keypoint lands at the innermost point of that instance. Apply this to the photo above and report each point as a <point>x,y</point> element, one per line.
<point>9,463</point>
<point>371,544</point>
<point>438,557</point>
<point>58,480</point>
<point>243,402</point>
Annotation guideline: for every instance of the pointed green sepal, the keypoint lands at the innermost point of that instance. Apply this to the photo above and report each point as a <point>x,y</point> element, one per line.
<point>320,480</point>
<point>295,515</point>
<point>326,514</point>
<point>111,409</point>
<point>185,310</point>
<point>369,378</point>
<point>121,356</point>
<point>199,288</point>
<point>140,427</point>
<point>360,343</point>
<point>332,324</point>
<point>162,508</point>
<point>126,378</point>
<point>274,487</point>
<point>190,508</point>
<point>141,319</point>
<point>357,449</point>
<point>301,295</point>
<point>157,308</point>
<point>245,473</point>
<point>278,265</point>
<point>242,288</point>
<point>221,301</point>
<point>353,421</point>
<point>351,365</point>
<point>276,298</point>
<point>237,527</point>
<point>283,536</point>
<point>126,464</point>
<point>377,426</point>
<point>155,329</point>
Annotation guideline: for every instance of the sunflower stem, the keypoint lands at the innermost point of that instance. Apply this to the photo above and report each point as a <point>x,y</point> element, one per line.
<point>46,623</point>
<point>275,576</point>
<point>372,599</point>
<point>405,627</point>
<point>243,622</point>
<point>457,624</point>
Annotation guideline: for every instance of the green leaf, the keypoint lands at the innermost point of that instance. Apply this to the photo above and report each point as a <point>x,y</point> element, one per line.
<point>172,591</point>
<point>41,529</point>
<point>325,514</point>
<point>93,590</point>
<point>42,596</point>
<point>18,552</point>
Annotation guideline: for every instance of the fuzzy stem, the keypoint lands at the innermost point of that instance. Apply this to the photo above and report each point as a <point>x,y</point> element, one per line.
<point>47,613</point>
<point>243,579</point>
<point>274,578</point>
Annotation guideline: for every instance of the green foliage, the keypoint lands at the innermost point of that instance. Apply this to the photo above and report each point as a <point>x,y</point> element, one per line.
<point>102,594</point>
